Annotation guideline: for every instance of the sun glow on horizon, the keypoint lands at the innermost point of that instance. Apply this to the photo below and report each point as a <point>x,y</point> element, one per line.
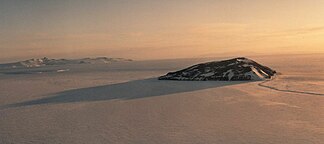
<point>158,29</point>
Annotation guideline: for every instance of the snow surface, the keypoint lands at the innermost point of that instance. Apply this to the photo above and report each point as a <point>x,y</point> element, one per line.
<point>122,103</point>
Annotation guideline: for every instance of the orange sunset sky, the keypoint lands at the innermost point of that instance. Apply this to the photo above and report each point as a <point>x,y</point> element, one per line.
<point>158,29</point>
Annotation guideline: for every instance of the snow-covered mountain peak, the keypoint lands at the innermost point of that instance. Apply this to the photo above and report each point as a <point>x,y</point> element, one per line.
<point>47,61</point>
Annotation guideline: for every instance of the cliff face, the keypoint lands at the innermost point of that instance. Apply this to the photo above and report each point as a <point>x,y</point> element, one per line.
<point>237,69</point>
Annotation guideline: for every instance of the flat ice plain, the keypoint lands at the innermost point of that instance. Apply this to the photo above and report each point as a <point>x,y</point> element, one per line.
<point>123,102</point>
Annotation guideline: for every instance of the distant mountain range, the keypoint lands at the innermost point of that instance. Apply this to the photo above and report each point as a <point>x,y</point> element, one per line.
<point>46,61</point>
<point>237,69</point>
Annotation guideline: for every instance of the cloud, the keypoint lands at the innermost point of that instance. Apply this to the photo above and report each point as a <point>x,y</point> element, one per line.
<point>293,32</point>
<point>218,29</point>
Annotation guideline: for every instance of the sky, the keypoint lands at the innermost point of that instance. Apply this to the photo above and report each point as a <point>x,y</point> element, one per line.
<point>158,29</point>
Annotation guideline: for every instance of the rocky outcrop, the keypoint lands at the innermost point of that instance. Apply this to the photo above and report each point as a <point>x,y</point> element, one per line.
<point>237,69</point>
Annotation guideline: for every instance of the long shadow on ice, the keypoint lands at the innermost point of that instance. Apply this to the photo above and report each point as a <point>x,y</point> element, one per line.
<point>125,91</point>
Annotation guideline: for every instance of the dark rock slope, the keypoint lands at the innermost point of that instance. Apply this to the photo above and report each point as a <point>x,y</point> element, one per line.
<point>237,69</point>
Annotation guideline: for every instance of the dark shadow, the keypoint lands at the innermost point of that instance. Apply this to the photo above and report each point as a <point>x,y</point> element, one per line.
<point>125,91</point>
